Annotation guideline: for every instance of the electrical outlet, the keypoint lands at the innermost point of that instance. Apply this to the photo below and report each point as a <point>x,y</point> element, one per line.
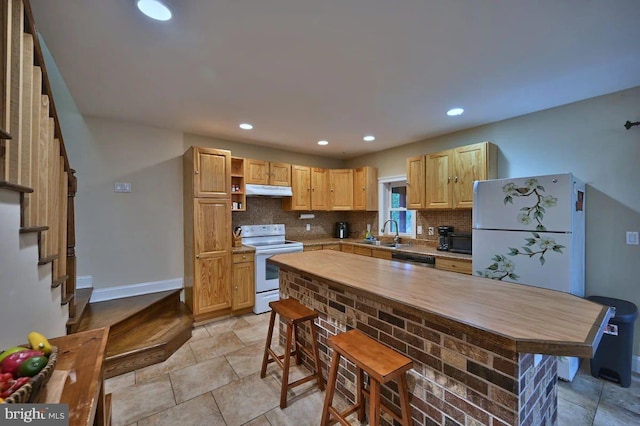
<point>420,229</point>
<point>122,187</point>
<point>308,227</point>
<point>632,238</point>
<point>431,230</point>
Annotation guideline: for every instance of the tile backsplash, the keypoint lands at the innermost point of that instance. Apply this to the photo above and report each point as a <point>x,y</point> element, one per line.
<point>264,210</point>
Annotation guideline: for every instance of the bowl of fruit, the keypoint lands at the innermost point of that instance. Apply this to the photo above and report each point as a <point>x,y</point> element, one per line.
<point>24,370</point>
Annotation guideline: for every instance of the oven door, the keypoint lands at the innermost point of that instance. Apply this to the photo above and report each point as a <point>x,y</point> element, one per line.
<point>267,275</point>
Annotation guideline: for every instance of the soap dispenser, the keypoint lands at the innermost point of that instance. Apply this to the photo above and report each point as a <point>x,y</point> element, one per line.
<point>368,235</point>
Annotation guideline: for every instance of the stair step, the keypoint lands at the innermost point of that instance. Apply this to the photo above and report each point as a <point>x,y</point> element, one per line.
<point>59,281</point>
<point>47,259</point>
<point>33,229</point>
<point>15,187</point>
<point>81,303</point>
<point>111,312</point>
<point>144,330</point>
<point>157,340</point>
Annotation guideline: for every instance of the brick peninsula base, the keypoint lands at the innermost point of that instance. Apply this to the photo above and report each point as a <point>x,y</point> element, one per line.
<point>461,375</point>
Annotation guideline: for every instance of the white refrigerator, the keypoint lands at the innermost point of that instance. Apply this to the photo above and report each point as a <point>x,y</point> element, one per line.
<point>531,231</point>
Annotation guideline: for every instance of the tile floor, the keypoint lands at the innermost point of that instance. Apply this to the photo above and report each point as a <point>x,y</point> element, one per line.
<point>214,379</point>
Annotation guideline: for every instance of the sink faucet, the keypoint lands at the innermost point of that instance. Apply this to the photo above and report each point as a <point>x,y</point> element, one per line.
<point>396,239</point>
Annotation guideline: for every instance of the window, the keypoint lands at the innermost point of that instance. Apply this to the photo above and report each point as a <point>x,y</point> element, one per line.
<point>393,196</point>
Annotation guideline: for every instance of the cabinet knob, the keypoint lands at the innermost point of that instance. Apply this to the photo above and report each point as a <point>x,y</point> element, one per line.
<point>448,179</point>
<point>196,172</point>
<point>197,256</point>
<point>455,179</point>
<point>408,183</point>
<point>244,257</point>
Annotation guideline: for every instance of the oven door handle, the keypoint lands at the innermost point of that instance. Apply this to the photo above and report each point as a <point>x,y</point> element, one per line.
<point>270,252</point>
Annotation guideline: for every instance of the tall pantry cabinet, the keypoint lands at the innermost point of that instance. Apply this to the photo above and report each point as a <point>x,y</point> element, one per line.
<point>207,231</point>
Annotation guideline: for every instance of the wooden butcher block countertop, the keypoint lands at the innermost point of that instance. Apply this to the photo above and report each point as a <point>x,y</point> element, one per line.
<point>523,318</point>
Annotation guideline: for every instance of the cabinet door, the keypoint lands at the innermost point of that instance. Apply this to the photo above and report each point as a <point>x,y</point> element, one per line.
<point>362,251</point>
<point>212,172</point>
<point>341,189</point>
<point>212,226</point>
<point>319,189</point>
<point>212,289</point>
<point>439,193</point>
<point>244,291</point>
<point>212,248</point>
<point>415,182</point>
<point>257,172</point>
<point>280,174</point>
<point>301,188</point>
<point>365,188</point>
<point>470,165</point>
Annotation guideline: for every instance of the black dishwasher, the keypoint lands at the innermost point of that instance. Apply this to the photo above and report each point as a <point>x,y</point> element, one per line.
<point>415,259</point>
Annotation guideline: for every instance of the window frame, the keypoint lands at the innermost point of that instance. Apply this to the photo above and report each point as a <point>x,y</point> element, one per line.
<point>384,203</point>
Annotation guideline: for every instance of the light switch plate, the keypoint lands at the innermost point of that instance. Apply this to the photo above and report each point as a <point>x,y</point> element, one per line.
<point>632,238</point>
<point>122,187</point>
<point>419,229</point>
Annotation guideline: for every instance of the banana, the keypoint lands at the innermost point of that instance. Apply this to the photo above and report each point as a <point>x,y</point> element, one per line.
<point>39,342</point>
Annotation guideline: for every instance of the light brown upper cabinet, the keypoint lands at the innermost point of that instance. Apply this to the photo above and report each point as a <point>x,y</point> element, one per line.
<point>261,172</point>
<point>301,189</point>
<point>415,182</point>
<point>365,188</point>
<point>309,188</point>
<point>209,170</point>
<point>319,189</point>
<point>450,174</point>
<point>341,189</point>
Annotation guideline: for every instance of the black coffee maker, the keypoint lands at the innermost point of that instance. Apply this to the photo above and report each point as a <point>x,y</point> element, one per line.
<point>443,240</point>
<point>342,230</point>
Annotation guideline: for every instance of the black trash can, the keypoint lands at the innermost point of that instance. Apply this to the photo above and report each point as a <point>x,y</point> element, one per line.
<point>613,357</point>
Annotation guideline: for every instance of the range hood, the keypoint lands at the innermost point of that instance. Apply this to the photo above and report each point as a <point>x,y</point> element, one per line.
<point>267,191</point>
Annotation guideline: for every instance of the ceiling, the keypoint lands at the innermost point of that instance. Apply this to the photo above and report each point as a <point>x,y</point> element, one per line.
<point>305,70</point>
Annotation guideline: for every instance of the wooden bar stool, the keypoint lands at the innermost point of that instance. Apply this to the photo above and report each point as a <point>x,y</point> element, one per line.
<point>292,313</point>
<point>381,364</point>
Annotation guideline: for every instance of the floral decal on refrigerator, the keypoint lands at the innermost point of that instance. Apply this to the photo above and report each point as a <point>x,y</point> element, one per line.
<point>538,246</point>
<point>531,188</point>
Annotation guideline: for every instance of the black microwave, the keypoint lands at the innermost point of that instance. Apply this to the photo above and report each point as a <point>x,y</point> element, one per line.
<point>460,242</point>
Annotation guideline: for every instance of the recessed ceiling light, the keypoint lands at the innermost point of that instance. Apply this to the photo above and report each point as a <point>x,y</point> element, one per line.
<point>154,9</point>
<point>369,138</point>
<point>323,142</point>
<point>246,126</point>
<point>455,111</point>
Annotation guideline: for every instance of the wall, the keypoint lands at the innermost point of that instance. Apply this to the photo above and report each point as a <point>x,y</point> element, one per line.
<point>586,138</point>
<point>28,302</point>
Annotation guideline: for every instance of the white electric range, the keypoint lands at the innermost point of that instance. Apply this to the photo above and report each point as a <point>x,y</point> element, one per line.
<point>268,240</point>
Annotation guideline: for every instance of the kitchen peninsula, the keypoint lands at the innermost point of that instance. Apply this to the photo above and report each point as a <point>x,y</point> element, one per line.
<point>472,339</point>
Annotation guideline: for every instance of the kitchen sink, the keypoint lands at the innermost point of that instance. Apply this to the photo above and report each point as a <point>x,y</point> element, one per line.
<point>383,244</point>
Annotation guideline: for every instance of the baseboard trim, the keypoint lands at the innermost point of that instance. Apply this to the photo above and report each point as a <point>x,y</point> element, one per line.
<point>85,281</point>
<point>635,364</point>
<point>111,293</point>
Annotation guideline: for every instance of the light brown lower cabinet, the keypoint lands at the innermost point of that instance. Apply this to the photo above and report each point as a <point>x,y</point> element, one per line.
<point>347,248</point>
<point>243,281</point>
<point>331,247</point>
<point>381,254</point>
<point>362,251</point>
<point>453,265</point>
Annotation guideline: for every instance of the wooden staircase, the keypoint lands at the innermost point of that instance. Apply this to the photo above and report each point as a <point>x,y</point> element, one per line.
<point>144,330</point>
